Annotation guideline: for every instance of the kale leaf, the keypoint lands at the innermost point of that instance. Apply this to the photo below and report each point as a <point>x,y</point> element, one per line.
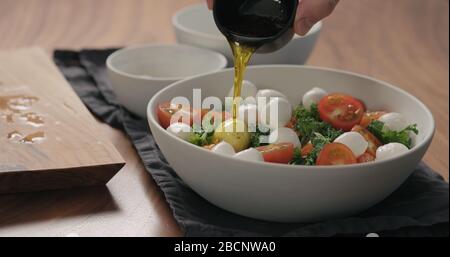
<point>308,123</point>
<point>387,136</point>
<point>200,137</point>
<point>256,136</point>
<point>318,141</point>
<point>298,158</point>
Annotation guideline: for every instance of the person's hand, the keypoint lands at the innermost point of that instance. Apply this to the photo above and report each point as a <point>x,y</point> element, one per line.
<point>309,12</point>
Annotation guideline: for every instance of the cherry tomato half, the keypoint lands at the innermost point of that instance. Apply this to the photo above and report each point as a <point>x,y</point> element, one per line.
<point>307,149</point>
<point>341,111</point>
<point>336,154</point>
<point>366,157</point>
<point>165,112</point>
<point>368,117</point>
<point>292,125</point>
<point>277,153</point>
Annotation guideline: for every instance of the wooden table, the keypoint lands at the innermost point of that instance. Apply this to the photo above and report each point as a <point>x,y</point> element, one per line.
<point>404,42</point>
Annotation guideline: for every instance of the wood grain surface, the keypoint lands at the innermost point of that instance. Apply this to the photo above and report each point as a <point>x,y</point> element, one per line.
<point>48,138</point>
<point>404,42</point>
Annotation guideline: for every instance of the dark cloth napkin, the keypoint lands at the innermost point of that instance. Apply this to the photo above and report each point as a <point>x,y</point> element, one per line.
<point>420,207</point>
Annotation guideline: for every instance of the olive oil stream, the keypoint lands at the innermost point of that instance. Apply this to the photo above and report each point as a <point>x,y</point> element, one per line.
<point>242,55</point>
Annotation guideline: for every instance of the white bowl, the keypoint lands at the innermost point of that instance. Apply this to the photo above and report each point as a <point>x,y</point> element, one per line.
<point>137,73</point>
<point>195,26</point>
<point>288,193</point>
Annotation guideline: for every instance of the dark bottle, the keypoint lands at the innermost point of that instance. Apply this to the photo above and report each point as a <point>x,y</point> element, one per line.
<point>266,25</point>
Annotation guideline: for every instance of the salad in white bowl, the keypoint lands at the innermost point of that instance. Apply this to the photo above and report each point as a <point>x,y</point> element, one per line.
<point>325,128</point>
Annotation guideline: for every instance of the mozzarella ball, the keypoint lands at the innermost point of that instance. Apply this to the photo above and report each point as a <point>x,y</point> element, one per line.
<point>355,141</point>
<point>313,96</point>
<point>248,90</point>
<point>250,100</point>
<point>284,135</point>
<point>240,101</point>
<point>390,151</point>
<point>248,113</point>
<point>394,121</point>
<point>250,154</point>
<point>224,148</point>
<point>180,130</point>
<point>269,93</point>
<point>282,113</point>
<point>228,104</point>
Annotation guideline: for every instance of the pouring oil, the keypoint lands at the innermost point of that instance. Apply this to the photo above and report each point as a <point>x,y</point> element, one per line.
<point>242,55</point>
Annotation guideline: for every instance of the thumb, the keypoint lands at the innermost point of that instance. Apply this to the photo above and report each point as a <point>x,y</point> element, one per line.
<point>210,3</point>
<point>310,12</point>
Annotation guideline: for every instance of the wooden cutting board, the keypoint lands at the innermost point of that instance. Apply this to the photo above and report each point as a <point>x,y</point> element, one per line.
<point>48,139</point>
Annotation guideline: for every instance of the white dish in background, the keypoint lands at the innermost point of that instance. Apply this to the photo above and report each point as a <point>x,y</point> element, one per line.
<point>287,193</point>
<point>137,73</point>
<point>195,26</point>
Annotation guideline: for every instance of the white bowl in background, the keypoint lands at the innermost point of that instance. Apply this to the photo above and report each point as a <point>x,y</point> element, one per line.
<point>194,25</point>
<point>287,193</point>
<point>137,73</point>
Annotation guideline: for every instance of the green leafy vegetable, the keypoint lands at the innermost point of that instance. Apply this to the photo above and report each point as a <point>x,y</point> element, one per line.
<point>298,158</point>
<point>200,137</point>
<point>318,141</point>
<point>255,136</point>
<point>387,136</point>
<point>308,123</point>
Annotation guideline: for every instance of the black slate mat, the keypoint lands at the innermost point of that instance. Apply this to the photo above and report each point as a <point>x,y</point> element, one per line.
<point>420,207</point>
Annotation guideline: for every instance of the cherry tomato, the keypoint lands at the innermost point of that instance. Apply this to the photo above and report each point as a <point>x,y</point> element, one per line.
<point>307,149</point>
<point>366,157</point>
<point>204,112</point>
<point>336,154</point>
<point>291,124</point>
<point>341,111</point>
<point>374,143</point>
<point>368,117</point>
<point>277,153</point>
<point>165,112</point>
